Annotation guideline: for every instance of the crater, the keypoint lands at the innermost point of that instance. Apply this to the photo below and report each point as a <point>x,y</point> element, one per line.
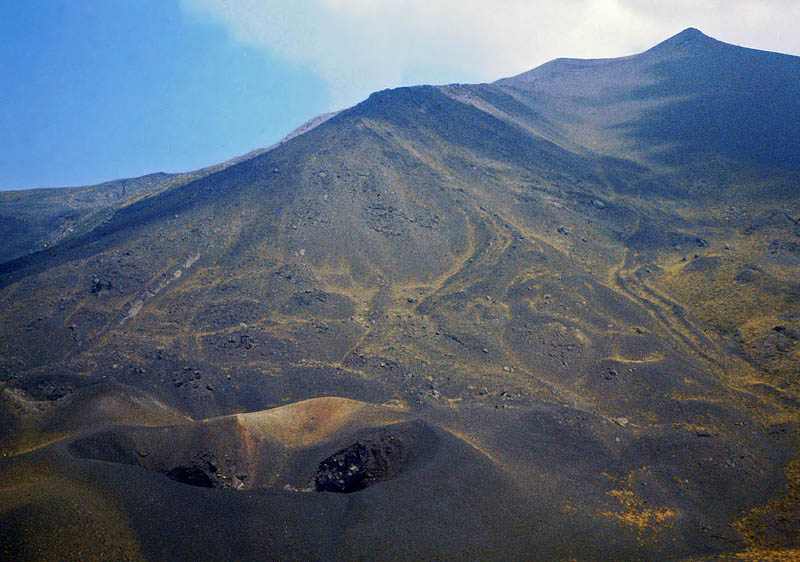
<point>372,460</point>
<point>360,445</point>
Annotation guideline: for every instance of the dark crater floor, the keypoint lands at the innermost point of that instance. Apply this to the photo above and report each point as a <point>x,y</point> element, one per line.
<point>372,460</point>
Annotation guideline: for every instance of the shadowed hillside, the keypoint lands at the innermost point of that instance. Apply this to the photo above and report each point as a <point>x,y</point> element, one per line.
<point>560,313</point>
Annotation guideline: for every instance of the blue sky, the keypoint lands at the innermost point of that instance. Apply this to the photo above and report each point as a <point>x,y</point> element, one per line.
<point>99,90</point>
<point>93,90</point>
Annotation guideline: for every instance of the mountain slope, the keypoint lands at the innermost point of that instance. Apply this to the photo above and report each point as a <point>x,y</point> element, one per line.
<point>36,219</point>
<point>685,100</point>
<point>583,278</point>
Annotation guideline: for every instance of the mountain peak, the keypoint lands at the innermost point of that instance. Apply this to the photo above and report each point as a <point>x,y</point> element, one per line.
<point>688,38</point>
<point>690,33</point>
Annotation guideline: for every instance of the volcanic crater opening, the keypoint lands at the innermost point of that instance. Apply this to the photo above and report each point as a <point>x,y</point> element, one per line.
<point>252,451</point>
<point>371,460</point>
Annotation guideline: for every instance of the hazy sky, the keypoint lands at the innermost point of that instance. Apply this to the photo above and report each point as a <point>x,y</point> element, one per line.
<point>94,90</point>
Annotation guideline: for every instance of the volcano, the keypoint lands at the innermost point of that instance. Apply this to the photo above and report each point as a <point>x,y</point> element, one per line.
<point>552,317</point>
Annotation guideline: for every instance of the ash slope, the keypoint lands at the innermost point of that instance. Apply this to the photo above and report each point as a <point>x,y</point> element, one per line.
<point>586,273</point>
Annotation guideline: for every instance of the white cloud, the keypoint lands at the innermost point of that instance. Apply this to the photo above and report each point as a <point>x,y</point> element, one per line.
<point>358,46</point>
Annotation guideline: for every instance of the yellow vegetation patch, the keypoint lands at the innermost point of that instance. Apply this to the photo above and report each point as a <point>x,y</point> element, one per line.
<point>756,526</point>
<point>758,326</point>
<point>762,555</point>
<point>696,428</point>
<point>654,357</point>
<point>634,512</point>
<point>397,404</point>
<point>722,303</point>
